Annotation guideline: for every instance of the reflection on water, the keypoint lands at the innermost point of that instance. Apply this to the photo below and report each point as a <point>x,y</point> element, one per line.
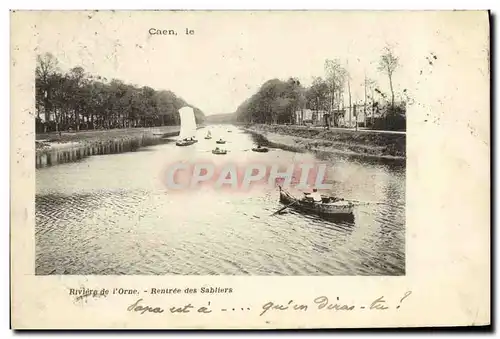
<point>61,156</point>
<point>112,214</point>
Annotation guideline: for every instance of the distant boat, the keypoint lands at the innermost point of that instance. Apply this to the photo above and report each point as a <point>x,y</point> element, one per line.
<point>209,135</point>
<point>188,127</point>
<point>260,149</point>
<point>186,142</point>
<point>220,141</point>
<point>219,151</point>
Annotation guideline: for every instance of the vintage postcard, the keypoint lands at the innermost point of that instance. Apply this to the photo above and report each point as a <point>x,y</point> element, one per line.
<point>250,169</point>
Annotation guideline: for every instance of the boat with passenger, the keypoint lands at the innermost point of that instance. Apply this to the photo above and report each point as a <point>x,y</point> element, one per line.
<point>327,205</point>
<point>260,149</point>
<point>219,151</point>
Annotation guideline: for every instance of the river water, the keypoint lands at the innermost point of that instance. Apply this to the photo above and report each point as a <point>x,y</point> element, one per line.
<point>114,214</point>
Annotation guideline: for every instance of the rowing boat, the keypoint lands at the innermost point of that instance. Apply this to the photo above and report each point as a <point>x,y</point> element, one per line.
<point>260,149</point>
<point>219,151</point>
<point>186,142</point>
<point>335,208</point>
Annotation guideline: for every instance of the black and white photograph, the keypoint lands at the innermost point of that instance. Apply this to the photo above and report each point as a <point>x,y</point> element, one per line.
<point>294,152</point>
<point>264,169</point>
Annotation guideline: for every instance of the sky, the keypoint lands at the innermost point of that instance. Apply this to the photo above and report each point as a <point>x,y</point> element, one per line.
<point>231,54</point>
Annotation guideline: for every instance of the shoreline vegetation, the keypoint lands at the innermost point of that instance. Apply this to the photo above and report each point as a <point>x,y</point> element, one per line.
<point>75,100</point>
<point>377,144</point>
<point>331,100</point>
<point>367,143</point>
<point>329,115</point>
<point>78,113</point>
<point>85,114</point>
<point>135,137</point>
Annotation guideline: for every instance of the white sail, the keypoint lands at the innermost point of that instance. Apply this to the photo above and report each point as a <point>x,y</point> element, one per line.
<point>188,123</point>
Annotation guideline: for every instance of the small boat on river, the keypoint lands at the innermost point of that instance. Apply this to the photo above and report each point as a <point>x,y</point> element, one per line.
<point>220,141</point>
<point>188,127</point>
<point>260,149</point>
<point>219,151</point>
<point>328,206</point>
<point>186,142</point>
<point>209,135</point>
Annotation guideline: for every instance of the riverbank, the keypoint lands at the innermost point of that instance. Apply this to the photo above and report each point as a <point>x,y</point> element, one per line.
<point>350,142</point>
<point>46,143</point>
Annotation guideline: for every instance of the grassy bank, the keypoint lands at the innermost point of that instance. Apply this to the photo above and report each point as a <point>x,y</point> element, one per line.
<point>366,143</point>
<point>52,141</point>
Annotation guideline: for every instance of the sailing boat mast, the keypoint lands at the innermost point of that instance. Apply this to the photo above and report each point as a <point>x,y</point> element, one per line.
<point>188,127</point>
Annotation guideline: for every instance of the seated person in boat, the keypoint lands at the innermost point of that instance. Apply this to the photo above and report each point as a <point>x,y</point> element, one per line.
<point>328,199</point>
<point>312,197</point>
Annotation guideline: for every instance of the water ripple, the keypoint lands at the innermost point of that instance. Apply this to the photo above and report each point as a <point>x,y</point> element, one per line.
<point>108,215</point>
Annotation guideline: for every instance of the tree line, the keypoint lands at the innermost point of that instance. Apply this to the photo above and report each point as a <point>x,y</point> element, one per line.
<point>76,100</point>
<point>277,100</point>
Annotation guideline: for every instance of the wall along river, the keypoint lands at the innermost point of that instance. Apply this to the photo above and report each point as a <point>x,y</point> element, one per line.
<point>113,214</point>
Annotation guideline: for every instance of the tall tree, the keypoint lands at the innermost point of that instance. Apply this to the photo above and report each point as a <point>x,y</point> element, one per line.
<point>46,69</point>
<point>78,82</point>
<point>275,102</point>
<point>388,63</point>
<point>61,100</point>
<point>317,95</point>
<point>78,100</point>
<point>297,98</point>
<point>335,78</point>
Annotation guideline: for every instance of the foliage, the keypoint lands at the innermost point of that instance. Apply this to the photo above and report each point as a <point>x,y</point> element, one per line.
<point>388,63</point>
<point>317,95</point>
<point>275,102</point>
<point>336,77</point>
<point>76,100</point>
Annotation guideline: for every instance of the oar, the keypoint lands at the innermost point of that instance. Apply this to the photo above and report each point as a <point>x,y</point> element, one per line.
<point>360,202</point>
<point>363,202</point>
<point>281,209</point>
